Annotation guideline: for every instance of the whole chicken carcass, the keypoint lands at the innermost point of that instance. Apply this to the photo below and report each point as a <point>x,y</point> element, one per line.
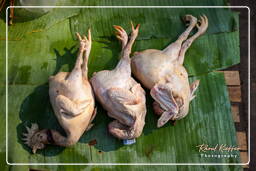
<point>163,73</point>
<point>120,94</point>
<point>73,103</point>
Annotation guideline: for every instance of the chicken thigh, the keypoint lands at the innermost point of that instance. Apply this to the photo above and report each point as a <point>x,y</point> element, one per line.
<point>72,100</point>
<point>120,94</point>
<point>162,72</point>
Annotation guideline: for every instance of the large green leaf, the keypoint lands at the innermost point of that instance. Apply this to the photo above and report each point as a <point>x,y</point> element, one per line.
<point>42,23</point>
<point>205,55</point>
<point>207,123</point>
<point>144,3</point>
<point>38,53</point>
<point>34,56</point>
<point>155,22</point>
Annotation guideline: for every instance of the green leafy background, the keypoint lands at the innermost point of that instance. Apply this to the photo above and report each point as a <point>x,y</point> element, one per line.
<point>43,45</point>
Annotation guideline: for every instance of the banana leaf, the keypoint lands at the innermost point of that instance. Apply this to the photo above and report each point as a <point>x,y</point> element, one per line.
<point>35,55</point>
<point>209,123</point>
<point>205,54</point>
<point>156,23</point>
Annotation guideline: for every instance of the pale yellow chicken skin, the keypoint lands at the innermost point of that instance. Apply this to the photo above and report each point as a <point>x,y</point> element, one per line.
<point>120,94</point>
<point>73,103</point>
<point>162,72</point>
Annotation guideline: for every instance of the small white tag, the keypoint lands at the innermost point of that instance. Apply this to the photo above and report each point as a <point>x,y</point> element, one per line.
<point>129,142</point>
